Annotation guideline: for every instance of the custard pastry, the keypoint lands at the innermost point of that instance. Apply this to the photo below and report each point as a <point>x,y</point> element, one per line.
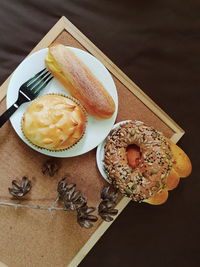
<point>54,122</point>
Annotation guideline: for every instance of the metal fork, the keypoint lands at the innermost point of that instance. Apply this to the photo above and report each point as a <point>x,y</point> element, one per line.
<point>27,92</point>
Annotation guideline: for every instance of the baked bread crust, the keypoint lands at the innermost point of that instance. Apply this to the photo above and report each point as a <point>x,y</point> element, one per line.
<point>181,162</point>
<point>161,166</point>
<point>150,176</point>
<point>181,168</point>
<point>54,122</point>
<point>76,77</point>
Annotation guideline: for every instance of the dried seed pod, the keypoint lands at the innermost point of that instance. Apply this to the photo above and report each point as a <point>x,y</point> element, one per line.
<point>73,199</point>
<point>105,209</point>
<point>50,168</point>
<point>84,218</point>
<point>109,193</point>
<point>20,188</point>
<point>106,204</point>
<point>107,218</point>
<point>63,187</point>
<point>107,213</point>
<point>80,202</point>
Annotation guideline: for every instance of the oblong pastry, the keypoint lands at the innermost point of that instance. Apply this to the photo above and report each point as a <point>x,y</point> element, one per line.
<point>139,160</point>
<point>54,122</point>
<point>79,81</point>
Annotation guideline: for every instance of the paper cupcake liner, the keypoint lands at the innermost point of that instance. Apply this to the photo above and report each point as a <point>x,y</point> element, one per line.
<point>64,149</point>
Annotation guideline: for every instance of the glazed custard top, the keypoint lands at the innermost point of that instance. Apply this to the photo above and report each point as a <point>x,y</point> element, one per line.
<point>54,122</point>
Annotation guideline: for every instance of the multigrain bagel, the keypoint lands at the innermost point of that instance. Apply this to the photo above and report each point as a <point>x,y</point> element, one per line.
<point>149,176</point>
<point>143,163</point>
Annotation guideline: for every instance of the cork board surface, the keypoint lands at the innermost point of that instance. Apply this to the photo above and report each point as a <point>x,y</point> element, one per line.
<point>54,238</point>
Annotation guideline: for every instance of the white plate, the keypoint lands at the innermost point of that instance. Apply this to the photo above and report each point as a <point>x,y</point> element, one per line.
<point>100,154</point>
<point>96,130</point>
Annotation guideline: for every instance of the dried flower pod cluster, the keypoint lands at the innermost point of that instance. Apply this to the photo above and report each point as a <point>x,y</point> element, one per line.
<point>20,188</point>
<point>71,197</point>
<point>62,188</point>
<point>73,200</point>
<point>84,218</point>
<point>50,168</point>
<point>106,207</point>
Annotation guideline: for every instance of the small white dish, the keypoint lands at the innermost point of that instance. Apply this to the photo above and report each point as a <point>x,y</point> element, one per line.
<point>96,130</point>
<point>100,154</point>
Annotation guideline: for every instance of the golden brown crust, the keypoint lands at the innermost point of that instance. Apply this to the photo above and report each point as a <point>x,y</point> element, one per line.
<point>172,180</point>
<point>181,168</point>
<point>158,154</point>
<point>159,198</point>
<point>54,122</point>
<point>150,176</point>
<point>181,164</point>
<point>80,81</point>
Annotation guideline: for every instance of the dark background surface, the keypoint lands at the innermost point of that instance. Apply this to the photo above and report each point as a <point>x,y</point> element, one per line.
<point>157,44</point>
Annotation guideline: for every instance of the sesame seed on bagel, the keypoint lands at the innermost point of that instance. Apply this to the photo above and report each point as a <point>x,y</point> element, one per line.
<point>150,174</point>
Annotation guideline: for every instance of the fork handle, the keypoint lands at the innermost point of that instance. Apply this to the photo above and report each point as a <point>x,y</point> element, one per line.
<point>7,114</point>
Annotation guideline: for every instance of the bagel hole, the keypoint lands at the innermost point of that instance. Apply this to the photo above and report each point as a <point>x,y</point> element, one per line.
<point>133,155</point>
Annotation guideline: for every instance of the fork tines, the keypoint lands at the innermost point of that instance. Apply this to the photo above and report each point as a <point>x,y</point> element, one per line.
<point>39,81</point>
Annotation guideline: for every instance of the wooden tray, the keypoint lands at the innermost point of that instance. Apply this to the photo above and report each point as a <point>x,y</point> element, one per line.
<point>37,237</point>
